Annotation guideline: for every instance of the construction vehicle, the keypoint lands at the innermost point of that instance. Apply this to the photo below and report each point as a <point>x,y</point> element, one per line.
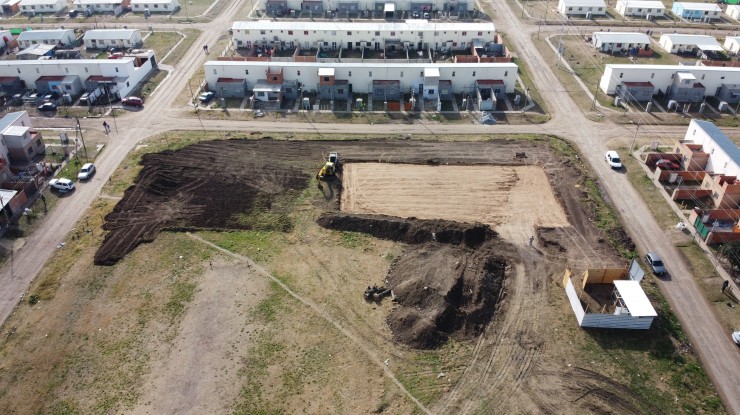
<point>330,167</point>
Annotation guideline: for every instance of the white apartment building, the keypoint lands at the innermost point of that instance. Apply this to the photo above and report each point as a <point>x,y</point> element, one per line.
<point>587,8</point>
<point>691,44</point>
<point>413,34</point>
<point>649,9</point>
<point>121,75</point>
<point>662,77</point>
<point>430,81</point>
<point>42,6</point>
<point>733,10</point>
<point>55,37</point>
<point>155,6</point>
<point>610,42</point>
<point>109,38</point>
<point>424,9</point>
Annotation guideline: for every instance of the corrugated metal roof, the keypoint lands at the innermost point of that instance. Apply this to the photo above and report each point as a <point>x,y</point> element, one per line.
<point>366,65</point>
<point>720,139</point>
<point>408,25</point>
<point>680,39</point>
<point>110,34</point>
<point>581,3</point>
<point>698,6</point>
<point>646,4</point>
<point>38,2</point>
<point>635,299</point>
<point>56,34</point>
<point>622,37</point>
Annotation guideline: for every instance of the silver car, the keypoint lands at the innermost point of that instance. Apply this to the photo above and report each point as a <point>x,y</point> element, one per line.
<point>655,263</point>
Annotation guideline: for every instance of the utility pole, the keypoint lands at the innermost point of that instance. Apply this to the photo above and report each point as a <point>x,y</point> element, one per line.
<point>81,137</point>
<point>632,146</point>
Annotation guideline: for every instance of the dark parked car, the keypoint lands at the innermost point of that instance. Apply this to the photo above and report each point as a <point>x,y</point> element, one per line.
<point>47,107</point>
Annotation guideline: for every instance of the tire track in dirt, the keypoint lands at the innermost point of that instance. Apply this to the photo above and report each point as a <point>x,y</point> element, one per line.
<point>363,346</point>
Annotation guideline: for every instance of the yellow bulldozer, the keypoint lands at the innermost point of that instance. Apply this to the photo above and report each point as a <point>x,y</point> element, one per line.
<point>330,167</point>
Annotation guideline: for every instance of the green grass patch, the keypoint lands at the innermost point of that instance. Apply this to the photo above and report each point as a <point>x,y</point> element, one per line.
<point>162,42</point>
<point>268,309</point>
<point>182,294</point>
<point>191,35</point>
<point>155,78</point>
<point>354,240</point>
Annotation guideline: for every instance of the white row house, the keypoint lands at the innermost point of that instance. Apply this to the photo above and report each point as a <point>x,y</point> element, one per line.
<point>678,82</point>
<point>698,12</point>
<point>611,42</point>
<point>155,6</point>
<point>42,6</point>
<point>67,75</point>
<point>733,11</point>
<point>648,9</point>
<point>55,37</point>
<point>689,44</point>
<point>587,8</point>
<point>20,143</point>
<point>390,8</point>
<point>732,44</point>
<point>110,38</point>
<point>382,81</point>
<point>416,34</point>
<point>102,6</point>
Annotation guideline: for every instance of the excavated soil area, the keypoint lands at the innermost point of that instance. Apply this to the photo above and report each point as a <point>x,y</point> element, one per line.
<point>448,283</point>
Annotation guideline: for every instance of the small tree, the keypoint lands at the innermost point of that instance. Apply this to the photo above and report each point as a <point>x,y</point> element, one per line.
<point>730,252</point>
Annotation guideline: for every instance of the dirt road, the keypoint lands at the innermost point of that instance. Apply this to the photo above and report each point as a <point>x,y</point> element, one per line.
<point>721,359</point>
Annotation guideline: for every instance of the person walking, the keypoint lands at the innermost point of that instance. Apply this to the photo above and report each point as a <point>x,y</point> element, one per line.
<point>106,127</point>
<point>531,240</point>
<point>725,285</point>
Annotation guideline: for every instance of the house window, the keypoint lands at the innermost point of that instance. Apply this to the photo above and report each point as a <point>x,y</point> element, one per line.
<point>350,73</point>
<point>349,33</point>
<point>473,73</point>
<point>480,33</point>
<point>87,70</point>
<point>333,32</point>
<point>377,33</point>
<point>305,33</point>
<point>326,79</point>
<point>340,91</point>
<point>431,92</point>
<point>67,71</point>
<point>246,72</point>
<point>453,73</point>
<point>621,74</point>
<point>299,73</point>
<point>290,32</point>
<point>116,69</point>
<point>722,77</point>
<point>702,77</point>
<point>652,75</point>
<point>464,33</point>
<point>371,73</point>
<point>37,70</point>
<point>262,32</point>
<point>506,73</point>
<point>393,33</point>
<point>127,84</point>
<point>274,78</point>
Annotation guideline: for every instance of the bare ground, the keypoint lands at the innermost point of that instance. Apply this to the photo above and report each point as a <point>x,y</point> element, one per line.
<point>162,322</point>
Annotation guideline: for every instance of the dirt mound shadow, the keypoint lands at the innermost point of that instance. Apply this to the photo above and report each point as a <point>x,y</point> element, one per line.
<point>412,230</point>
<point>187,189</point>
<point>445,291</point>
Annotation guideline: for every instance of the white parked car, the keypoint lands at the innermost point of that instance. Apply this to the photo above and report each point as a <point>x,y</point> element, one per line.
<point>86,172</point>
<point>736,337</point>
<point>63,185</point>
<point>613,159</point>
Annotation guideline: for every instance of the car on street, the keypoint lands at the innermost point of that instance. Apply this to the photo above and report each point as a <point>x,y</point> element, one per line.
<point>613,159</point>
<point>133,102</point>
<point>655,263</point>
<point>47,107</point>
<point>736,337</point>
<point>206,97</point>
<point>62,185</point>
<point>666,164</point>
<point>86,172</point>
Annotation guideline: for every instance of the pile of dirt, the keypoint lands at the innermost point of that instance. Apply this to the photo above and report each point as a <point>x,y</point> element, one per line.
<point>445,291</point>
<point>188,190</point>
<point>411,230</point>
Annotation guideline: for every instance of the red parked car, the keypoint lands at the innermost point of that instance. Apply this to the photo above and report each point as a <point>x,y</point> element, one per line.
<point>133,102</point>
<point>666,164</point>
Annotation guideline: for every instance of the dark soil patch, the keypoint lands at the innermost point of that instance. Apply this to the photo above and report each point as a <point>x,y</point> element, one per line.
<point>445,291</point>
<point>412,231</point>
<point>188,189</point>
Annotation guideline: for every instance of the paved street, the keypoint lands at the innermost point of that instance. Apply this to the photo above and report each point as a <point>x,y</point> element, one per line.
<point>161,113</point>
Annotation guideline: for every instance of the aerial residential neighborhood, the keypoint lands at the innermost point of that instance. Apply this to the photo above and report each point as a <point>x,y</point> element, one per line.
<point>354,207</point>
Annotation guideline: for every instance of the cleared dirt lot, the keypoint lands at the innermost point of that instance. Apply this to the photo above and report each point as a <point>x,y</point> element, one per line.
<point>262,311</point>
